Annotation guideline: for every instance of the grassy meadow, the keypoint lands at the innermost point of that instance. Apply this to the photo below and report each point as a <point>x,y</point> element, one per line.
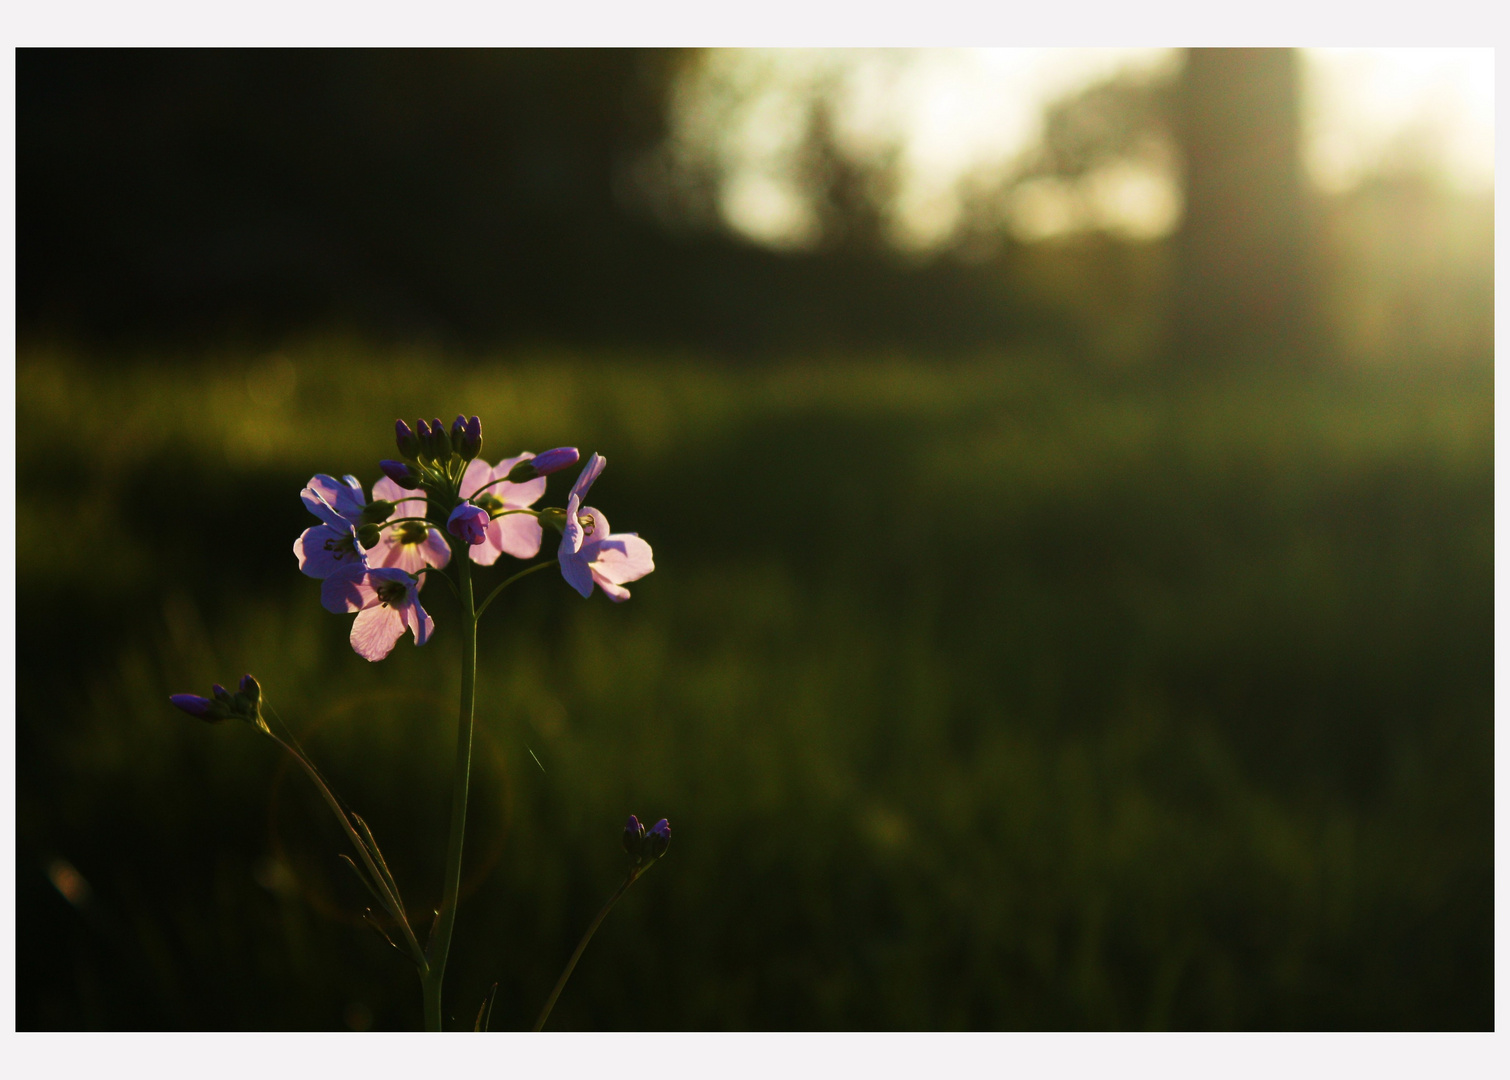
<point>989,693</point>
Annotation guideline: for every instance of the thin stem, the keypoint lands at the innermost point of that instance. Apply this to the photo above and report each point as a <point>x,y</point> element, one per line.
<point>550,1002</point>
<point>383,881</point>
<point>523,573</point>
<point>490,483</point>
<point>440,937</point>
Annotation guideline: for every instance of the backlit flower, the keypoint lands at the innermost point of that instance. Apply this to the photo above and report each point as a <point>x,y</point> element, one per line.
<point>408,545</point>
<point>592,555</point>
<point>510,534</point>
<point>386,601</point>
<point>331,547</point>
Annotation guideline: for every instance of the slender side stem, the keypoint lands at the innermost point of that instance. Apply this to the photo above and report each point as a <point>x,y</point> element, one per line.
<point>440,937</point>
<point>494,483</point>
<point>505,584</point>
<point>571,964</point>
<point>384,882</point>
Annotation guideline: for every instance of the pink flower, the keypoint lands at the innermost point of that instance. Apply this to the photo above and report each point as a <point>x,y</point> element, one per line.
<point>386,601</point>
<point>331,547</point>
<point>592,555</point>
<point>512,534</point>
<point>412,544</point>
<point>335,502</point>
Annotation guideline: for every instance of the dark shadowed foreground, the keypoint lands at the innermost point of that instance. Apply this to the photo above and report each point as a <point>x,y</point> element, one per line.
<point>982,695</point>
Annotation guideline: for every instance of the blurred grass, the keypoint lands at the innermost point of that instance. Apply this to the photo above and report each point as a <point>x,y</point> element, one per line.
<point>987,694</point>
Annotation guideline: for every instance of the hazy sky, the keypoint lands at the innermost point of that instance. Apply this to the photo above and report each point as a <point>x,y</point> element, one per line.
<point>949,114</point>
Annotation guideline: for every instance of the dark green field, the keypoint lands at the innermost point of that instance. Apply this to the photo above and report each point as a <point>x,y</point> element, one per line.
<point>989,694</point>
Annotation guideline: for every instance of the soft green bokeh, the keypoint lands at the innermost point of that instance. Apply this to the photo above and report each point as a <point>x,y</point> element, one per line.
<point>986,694</point>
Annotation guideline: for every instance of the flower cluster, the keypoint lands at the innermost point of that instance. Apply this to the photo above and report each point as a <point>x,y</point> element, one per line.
<point>373,557</point>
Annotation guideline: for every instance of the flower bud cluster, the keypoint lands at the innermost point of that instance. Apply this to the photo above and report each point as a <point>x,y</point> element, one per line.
<point>244,704</point>
<point>643,845</point>
<point>434,457</point>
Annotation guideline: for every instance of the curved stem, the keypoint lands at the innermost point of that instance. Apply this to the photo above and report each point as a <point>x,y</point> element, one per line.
<point>490,483</point>
<point>383,881</point>
<point>571,964</point>
<point>505,584</point>
<point>400,521</point>
<point>440,937</point>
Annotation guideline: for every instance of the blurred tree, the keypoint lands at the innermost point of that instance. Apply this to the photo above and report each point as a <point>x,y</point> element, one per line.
<point>476,196</point>
<point>1247,278</point>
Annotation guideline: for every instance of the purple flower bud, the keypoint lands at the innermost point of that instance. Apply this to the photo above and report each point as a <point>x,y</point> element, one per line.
<point>658,839</point>
<point>561,457</point>
<point>399,473</point>
<point>194,705</point>
<point>219,692</point>
<point>634,836</point>
<point>458,430</point>
<point>470,443</point>
<point>469,523</point>
<point>249,687</point>
<point>438,438</point>
<point>408,442</point>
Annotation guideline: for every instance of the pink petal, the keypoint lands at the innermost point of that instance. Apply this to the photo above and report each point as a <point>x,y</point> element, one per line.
<point>617,593</point>
<point>487,552</point>
<point>516,496</point>
<point>478,472</point>
<point>416,620</point>
<point>316,561</point>
<point>620,558</point>
<point>405,557</point>
<point>405,504</point>
<point>588,474</point>
<point>332,501</point>
<point>347,591</point>
<point>571,532</point>
<point>516,534</point>
<point>434,549</point>
<point>375,631</point>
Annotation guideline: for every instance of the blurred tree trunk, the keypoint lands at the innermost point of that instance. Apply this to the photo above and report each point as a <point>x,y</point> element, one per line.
<point>1247,279</point>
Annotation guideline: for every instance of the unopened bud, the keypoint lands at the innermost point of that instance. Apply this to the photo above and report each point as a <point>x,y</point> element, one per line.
<point>399,473</point>
<point>408,442</point>
<point>469,523</point>
<point>201,708</point>
<point>658,839</point>
<point>543,464</point>
<point>220,694</point>
<point>440,441</point>
<point>369,535</point>
<point>470,444</point>
<point>634,836</point>
<point>562,457</point>
<point>250,688</point>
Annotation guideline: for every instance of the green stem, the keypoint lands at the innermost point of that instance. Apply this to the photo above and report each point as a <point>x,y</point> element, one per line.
<point>504,585</point>
<point>571,964</point>
<point>440,937</point>
<point>388,895</point>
